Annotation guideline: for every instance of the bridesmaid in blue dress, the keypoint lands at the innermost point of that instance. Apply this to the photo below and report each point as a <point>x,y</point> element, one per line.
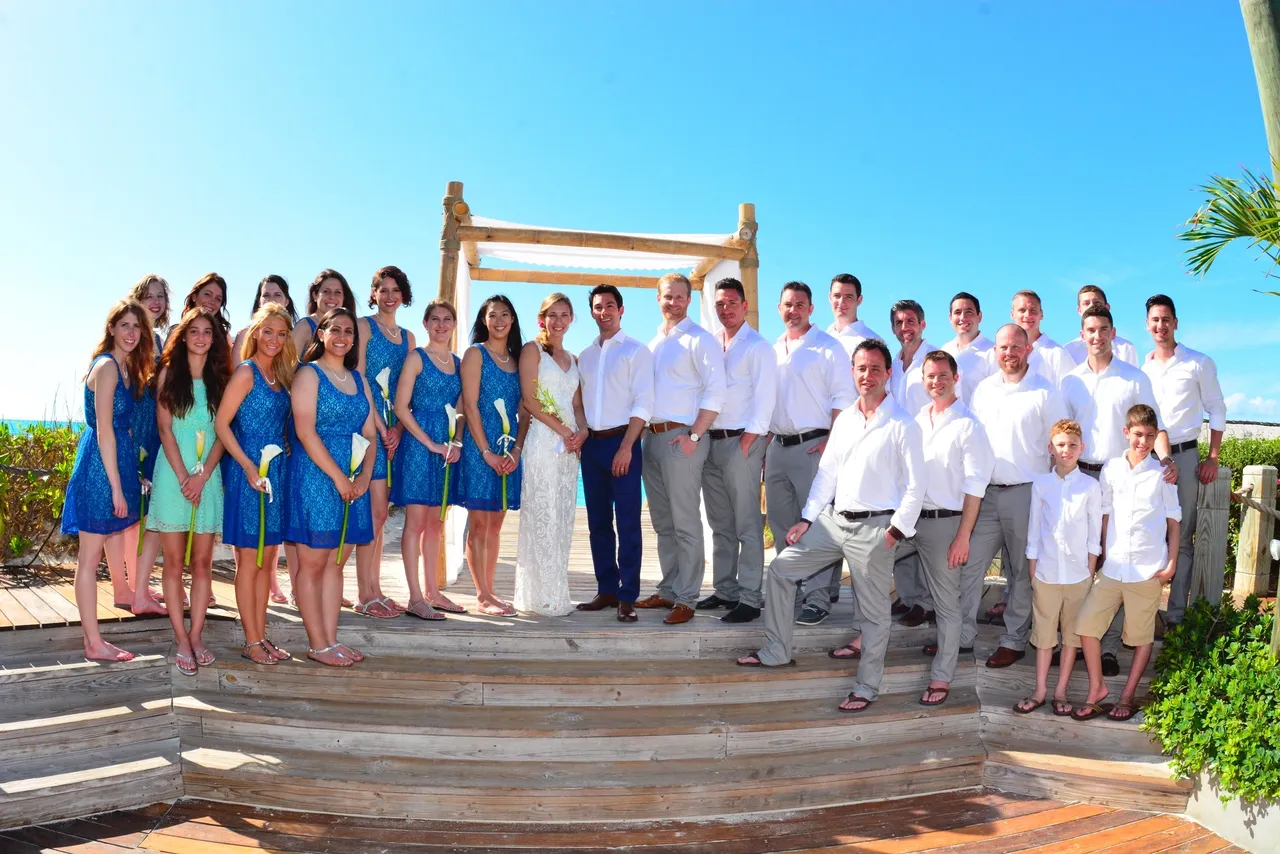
<point>103,491</point>
<point>153,292</point>
<point>491,455</point>
<point>383,346</point>
<point>253,415</point>
<point>431,379</point>
<point>331,401</point>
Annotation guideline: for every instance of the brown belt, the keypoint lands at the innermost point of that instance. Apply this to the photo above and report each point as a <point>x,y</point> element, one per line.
<point>607,434</point>
<point>664,426</point>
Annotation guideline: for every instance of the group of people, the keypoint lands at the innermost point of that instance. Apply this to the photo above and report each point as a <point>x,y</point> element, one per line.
<point>916,468</point>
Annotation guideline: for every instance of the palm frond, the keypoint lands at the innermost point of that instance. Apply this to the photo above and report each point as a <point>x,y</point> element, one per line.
<point>1235,209</point>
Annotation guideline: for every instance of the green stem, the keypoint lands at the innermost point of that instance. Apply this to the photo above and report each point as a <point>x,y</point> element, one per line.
<point>342,540</point>
<point>444,499</point>
<point>262,525</point>
<point>191,531</point>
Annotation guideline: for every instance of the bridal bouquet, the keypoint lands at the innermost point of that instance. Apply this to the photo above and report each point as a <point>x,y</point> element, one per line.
<point>453,416</point>
<point>389,415</point>
<point>505,442</point>
<point>269,453</point>
<point>359,444</point>
<point>197,469</point>
<point>548,403</point>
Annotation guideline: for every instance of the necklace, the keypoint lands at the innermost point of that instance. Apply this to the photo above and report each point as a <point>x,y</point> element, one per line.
<point>394,339</point>
<point>506,360</point>
<point>333,373</point>
<point>445,361</point>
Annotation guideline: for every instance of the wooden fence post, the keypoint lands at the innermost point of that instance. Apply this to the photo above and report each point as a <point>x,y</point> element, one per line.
<point>1208,567</point>
<point>1253,556</point>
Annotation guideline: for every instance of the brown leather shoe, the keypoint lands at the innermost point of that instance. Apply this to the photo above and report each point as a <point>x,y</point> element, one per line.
<point>602,601</point>
<point>679,614</point>
<point>914,617</point>
<point>1004,656</point>
<point>655,601</point>
<point>627,612</point>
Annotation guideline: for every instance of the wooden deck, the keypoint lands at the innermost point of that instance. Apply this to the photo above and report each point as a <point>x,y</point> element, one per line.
<point>970,822</point>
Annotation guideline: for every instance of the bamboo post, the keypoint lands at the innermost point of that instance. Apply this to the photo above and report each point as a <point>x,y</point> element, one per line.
<point>449,243</point>
<point>1213,508</point>
<point>1253,554</point>
<point>1262,26</point>
<point>750,263</point>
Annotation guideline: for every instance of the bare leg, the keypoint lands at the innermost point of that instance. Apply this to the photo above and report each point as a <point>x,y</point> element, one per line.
<point>431,554</point>
<point>1067,663</point>
<point>273,581</point>
<point>201,590</point>
<point>175,547</point>
<point>415,520</point>
<point>313,565</point>
<point>86,585</point>
<point>1092,648</point>
<point>292,563</point>
<point>478,555</point>
<point>369,556</point>
<point>138,568</point>
<point>331,597</point>
<point>1141,655</point>
<point>115,565</point>
<point>248,580</point>
<point>494,543</point>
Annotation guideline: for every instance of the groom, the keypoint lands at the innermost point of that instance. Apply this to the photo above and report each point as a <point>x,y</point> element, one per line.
<point>617,394</point>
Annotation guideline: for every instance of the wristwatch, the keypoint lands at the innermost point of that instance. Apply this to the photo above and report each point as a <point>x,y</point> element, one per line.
<point>694,437</point>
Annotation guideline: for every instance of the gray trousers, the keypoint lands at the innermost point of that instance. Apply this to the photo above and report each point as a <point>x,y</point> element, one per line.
<point>831,538</point>
<point>788,474</point>
<point>929,549</point>
<point>673,486</point>
<point>731,492</point>
<point>1188,493</point>
<point>910,583</point>
<point>1002,521</point>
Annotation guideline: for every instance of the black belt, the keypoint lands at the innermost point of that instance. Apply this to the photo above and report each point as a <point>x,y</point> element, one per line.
<point>607,434</point>
<point>1009,485</point>
<point>725,434</point>
<point>1093,467</point>
<point>786,440</point>
<point>1184,446</point>
<point>939,514</point>
<point>859,515</point>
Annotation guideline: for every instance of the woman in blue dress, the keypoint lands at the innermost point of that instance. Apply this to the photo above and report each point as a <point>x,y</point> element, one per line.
<point>491,450</point>
<point>430,381</point>
<point>153,292</point>
<point>104,489</point>
<point>253,416</point>
<point>210,293</point>
<point>383,347</point>
<point>331,402</point>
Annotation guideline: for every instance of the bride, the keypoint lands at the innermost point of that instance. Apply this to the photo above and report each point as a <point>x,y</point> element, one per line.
<point>551,392</point>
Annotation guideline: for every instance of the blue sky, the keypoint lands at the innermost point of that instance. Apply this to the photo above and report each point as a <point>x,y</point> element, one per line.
<point>928,147</point>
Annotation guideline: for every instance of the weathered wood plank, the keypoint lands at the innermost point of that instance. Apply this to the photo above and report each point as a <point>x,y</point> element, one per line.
<point>43,614</point>
<point>1213,509</point>
<point>14,611</point>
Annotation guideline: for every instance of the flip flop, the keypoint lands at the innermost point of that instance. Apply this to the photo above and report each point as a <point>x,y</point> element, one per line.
<point>855,698</point>
<point>1091,711</point>
<point>855,653</point>
<point>1060,705</point>
<point>204,658</point>
<point>758,663</point>
<point>270,658</point>
<point>349,653</point>
<point>276,652</point>
<point>342,661</point>
<point>1127,711</point>
<point>363,610</point>
<point>279,598</point>
<point>431,615</point>
<point>442,604</point>
<point>190,669</point>
<point>1018,707</point>
<point>946,692</point>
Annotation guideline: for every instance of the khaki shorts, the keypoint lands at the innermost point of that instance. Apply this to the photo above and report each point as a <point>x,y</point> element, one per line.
<point>1141,600</point>
<point>1053,605</point>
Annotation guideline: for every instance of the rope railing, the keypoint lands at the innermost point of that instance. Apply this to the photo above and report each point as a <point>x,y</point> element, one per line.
<point>1245,497</point>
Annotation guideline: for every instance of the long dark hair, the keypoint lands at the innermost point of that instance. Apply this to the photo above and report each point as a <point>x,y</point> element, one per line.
<point>279,282</point>
<point>313,293</point>
<point>316,348</point>
<point>139,364</point>
<point>480,332</point>
<point>224,319</point>
<point>176,393</point>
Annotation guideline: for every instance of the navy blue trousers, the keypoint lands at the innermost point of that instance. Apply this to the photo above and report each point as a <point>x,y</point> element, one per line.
<point>616,558</point>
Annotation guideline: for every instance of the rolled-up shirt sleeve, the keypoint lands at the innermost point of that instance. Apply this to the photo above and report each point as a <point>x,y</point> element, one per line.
<point>911,442</point>
<point>1211,395</point>
<point>710,366</point>
<point>1033,523</point>
<point>765,371</point>
<point>979,461</point>
<point>642,383</point>
<point>1169,494</point>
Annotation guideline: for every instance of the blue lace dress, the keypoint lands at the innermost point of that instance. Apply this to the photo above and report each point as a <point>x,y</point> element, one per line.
<point>314,509</point>
<point>294,445</point>
<point>418,474</point>
<point>381,352</point>
<point>260,421</point>
<point>146,435</point>
<point>481,485</point>
<point>88,507</point>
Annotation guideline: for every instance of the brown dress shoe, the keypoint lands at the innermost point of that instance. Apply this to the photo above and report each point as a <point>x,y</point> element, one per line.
<point>627,612</point>
<point>914,617</point>
<point>1004,656</point>
<point>655,601</point>
<point>602,601</point>
<point>679,614</point>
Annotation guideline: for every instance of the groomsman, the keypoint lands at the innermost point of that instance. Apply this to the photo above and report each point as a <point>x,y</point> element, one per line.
<point>815,384</point>
<point>617,395</point>
<point>865,500</point>
<point>1089,296</point>
<point>688,369</point>
<point>972,349</point>
<point>1016,407</point>
<point>845,297</point>
<point>731,474</point>
<point>1046,357</point>
<point>1185,383</point>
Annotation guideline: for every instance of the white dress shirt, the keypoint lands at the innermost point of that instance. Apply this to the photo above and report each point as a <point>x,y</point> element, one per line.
<point>1138,502</point>
<point>751,382</point>
<point>957,456</point>
<point>1122,347</point>
<point>976,363</point>
<point>1185,387</point>
<point>815,377</point>
<point>1099,402</point>
<point>1049,360</point>
<point>874,463</point>
<point>853,335</point>
<point>1017,418</point>
<point>1065,526</point>
<point>688,367</point>
<point>907,384</point>
<point>617,381</point>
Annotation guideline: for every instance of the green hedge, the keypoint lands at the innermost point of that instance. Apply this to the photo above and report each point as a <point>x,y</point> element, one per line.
<point>1216,698</point>
<point>35,463</point>
<point>1238,453</point>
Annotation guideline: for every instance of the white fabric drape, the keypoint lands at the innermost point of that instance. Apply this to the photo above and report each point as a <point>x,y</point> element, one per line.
<point>455,529</point>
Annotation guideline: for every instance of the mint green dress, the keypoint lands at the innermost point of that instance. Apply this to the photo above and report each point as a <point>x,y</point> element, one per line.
<point>168,510</point>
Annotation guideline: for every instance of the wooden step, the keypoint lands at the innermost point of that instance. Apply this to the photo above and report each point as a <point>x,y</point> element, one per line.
<point>571,734</point>
<point>1129,782</point>
<point>1021,677</point>
<point>497,682</point>
<point>372,784</point>
<point>90,781</point>
<point>1002,727</point>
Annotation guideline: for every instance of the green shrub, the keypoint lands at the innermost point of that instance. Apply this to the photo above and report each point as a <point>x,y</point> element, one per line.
<point>35,463</point>
<point>1238,453</point>
<point>1216,703</point>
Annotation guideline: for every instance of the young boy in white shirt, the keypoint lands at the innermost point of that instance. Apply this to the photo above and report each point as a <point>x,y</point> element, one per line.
<point>1140,521</point>
<point>1064,539</point>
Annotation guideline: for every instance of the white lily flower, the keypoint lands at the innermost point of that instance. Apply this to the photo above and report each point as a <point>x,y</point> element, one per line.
<point>199,466</point>
<point>384,382</point>
<point>359,444</point>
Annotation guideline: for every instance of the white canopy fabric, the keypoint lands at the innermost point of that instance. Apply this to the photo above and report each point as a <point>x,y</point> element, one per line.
<point>579,257</point>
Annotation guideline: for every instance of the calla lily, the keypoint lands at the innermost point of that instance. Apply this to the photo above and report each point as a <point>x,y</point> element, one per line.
<point>269,453</point>
<point>384,382</point>
<point>197,469</point>
<point>388,412</point>
<point>359,444</point>
<point>453,415</point>
<point>505,442</point>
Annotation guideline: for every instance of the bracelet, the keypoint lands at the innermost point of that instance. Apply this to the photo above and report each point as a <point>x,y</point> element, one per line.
<point>517,448</point>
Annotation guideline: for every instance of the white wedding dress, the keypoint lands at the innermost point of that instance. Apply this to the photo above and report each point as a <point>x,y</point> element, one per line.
<point>548,502</point>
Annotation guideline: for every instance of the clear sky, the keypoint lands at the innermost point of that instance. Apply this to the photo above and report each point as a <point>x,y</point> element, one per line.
<point>927,147</point>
